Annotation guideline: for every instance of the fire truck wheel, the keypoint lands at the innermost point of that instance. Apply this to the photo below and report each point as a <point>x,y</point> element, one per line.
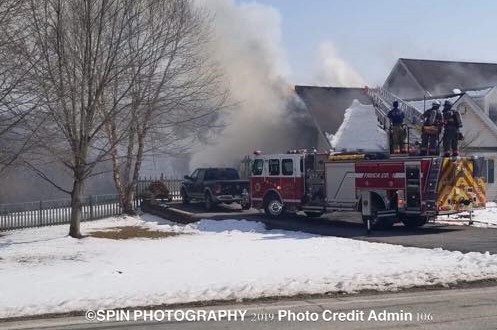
<point>413,222</point>
<point>184,197</point>
<point>313,214</point>
<point>374,221</point>
<point>273,207</point>
<point>378,223</point>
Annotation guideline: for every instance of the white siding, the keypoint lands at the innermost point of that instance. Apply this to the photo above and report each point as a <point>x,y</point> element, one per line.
<point>476,132</point>
<point>490,98</point>
<point>491,187</point>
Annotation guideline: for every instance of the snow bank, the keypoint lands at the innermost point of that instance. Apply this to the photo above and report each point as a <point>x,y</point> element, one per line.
<point>359,130</point>
<point>44,271</point>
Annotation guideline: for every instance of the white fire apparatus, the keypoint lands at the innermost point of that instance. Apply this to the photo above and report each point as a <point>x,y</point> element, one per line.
<point>385,189</point>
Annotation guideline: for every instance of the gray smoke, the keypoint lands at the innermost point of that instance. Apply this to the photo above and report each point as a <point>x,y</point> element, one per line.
<point>265,115</point>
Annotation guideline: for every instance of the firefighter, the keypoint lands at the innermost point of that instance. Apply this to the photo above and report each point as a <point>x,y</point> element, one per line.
<point>431,130</point>
<point>452,124</point>
<point>396,117</point>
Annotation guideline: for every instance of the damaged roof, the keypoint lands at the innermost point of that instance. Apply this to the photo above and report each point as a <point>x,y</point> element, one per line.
<point>327,105</point>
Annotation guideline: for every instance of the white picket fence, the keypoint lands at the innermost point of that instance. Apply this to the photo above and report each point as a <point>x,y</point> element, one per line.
<point>55,212</point>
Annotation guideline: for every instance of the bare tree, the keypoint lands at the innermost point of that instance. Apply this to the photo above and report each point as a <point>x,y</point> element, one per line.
<point>77,51</point>
<point>14,105</point>
<point>176,92</point>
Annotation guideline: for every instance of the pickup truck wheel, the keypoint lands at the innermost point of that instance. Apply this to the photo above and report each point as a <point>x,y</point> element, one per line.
<point>184,197</point>
<point>273,207</point>
<point>208,203</point>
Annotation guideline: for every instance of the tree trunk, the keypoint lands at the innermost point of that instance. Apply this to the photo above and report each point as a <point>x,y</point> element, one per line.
<point>76,208</point>
<point>128,202</point>
<point>132,184</point>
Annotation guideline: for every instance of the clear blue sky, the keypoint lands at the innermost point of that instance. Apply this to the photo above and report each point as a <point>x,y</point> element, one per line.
<point>372,34</point>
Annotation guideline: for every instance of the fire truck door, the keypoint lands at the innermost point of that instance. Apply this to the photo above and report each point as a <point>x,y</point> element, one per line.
<point>288,180</point>
<point>274,178</point>
<point>413,187</point>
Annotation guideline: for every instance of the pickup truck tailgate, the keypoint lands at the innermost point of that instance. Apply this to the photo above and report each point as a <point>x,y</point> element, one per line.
<point>233,187</point>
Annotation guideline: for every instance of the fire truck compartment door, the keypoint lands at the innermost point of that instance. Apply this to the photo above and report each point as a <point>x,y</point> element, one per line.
<point>340,183</point>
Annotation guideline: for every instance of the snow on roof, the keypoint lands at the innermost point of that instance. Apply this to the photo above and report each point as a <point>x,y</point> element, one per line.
<point>479,92</point>
<point>422,105</point>
<point>359,130</point>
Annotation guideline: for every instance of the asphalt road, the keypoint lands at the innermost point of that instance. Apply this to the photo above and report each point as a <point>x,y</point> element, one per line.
<point>349,225</point>
<point>465,309</point>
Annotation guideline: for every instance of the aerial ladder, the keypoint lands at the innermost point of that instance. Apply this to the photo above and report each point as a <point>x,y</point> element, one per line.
<point>382,102</point>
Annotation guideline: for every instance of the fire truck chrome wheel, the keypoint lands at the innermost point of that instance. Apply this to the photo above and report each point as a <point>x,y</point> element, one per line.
<point>274,208</point>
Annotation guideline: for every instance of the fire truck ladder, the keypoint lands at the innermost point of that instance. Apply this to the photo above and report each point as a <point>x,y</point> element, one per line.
<point>382,102</point>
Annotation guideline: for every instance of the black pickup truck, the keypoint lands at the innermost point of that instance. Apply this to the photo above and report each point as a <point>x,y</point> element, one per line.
<point>214,186</point>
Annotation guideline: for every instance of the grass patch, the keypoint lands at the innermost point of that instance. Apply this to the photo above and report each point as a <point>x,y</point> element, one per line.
<point>129,232</point>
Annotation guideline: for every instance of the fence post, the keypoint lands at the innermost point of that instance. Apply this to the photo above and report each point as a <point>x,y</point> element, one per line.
<point>40,214</point>
<point>91,207</point>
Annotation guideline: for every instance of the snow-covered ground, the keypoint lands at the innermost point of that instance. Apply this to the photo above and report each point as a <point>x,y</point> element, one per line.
<point>481,218</point>
<point>44,271</point>
<point>359,130</point>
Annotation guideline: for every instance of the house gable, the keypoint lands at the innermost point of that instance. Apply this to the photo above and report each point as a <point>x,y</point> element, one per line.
<point>402,83</point>
<point>478,130</point>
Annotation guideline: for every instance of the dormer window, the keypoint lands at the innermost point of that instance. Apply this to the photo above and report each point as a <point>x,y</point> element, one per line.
<point>492,111</point>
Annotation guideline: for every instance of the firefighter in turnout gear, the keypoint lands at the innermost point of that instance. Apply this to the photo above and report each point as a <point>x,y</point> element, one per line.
<point>431,130</point>
<point>396,117</point>
<point>452,123</point>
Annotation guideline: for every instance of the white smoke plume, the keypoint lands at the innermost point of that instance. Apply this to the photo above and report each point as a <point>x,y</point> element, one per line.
<point>335,71</point>
<point>247,45</point>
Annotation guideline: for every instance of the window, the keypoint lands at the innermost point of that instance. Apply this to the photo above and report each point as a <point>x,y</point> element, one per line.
<point>479,170</point>
<point>210,175</point>
<point>490,171</point>
<point>200,175</point>
<point>194,175</point>
<point>287,167</point>
<point>257,167</point>
<point>492,112</point>
<point>274,167</point>
<point>301,165</point>
<point>309,162</point>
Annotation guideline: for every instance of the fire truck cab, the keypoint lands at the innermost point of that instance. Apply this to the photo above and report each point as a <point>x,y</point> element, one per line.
<point>384,189</point>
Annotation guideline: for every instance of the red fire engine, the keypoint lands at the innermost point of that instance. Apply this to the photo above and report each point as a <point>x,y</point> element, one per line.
<point>384,189</point>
